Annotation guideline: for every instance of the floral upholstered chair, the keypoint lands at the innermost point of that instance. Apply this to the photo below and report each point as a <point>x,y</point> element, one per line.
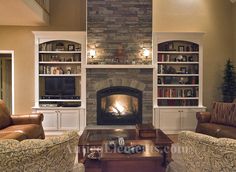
<point>202,153</point>
<point>54,154</point>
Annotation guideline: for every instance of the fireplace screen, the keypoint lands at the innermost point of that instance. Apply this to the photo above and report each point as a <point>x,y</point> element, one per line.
<point>119,105</point>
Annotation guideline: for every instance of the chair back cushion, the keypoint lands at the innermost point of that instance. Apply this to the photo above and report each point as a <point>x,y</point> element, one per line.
<point>224,113</point>
<point>5,118</point>
<point>205,153</point>
<point>52,154</point>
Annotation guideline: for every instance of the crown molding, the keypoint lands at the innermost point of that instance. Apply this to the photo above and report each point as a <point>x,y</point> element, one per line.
<point>233,1</point>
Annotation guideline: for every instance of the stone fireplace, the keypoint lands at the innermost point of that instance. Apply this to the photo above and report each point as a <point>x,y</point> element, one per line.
<point>119,105</point>
<point>132,83</point>
<point>119,31</point>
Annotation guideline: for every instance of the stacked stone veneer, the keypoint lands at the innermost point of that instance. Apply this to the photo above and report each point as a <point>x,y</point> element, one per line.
<point>98,79</point>
<point>119,30</point>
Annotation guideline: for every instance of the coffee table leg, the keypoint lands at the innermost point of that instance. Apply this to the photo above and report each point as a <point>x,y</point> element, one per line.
<point>165,151</point>
<point>80,154</point>
<point>164,164</point>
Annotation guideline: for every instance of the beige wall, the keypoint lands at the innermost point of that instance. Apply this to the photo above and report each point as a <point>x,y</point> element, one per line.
<point>66,15</point>
<point>214,18</point>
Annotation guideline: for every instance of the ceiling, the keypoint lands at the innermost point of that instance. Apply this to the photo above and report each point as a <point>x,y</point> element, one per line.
<point>22,13</point>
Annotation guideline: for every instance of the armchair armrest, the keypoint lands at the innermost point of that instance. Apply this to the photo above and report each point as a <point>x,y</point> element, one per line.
<point>34,118</point>
<point>203,117</point>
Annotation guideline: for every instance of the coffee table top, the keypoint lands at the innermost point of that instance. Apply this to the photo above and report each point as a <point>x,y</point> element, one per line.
<point>92,137</point>
<point>149,152</point>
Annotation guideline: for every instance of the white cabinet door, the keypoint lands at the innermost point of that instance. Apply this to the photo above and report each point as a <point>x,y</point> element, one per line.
<point>170,120</point>
<point>188,119</point>
<point>57,120</point>
<point>174,120</point>
<point>69,119</point>
<point>50,121</point>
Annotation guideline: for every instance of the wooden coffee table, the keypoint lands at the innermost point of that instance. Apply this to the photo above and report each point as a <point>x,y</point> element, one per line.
<point>149,160</point>
<point>91,140</point>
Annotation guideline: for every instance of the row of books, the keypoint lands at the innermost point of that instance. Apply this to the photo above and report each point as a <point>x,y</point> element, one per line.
<point>45,69</point>
<point>178,80</point>
<point>177,58</point>
<point>183,69</point>
<point>178,46</point>
<point>59,46</point>
<point>57,58</point>
<point>177,92</point>
<point>177,102</point>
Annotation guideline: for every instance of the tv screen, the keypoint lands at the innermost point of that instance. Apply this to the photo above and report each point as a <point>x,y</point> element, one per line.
<point>63,86</point>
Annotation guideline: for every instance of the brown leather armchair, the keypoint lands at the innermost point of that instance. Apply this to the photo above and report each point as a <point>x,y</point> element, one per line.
<point>220,122</point>
<point>20,127</point>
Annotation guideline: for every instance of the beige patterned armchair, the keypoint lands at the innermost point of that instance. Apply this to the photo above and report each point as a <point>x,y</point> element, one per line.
<point>54,154</point>
<point>201,153</point>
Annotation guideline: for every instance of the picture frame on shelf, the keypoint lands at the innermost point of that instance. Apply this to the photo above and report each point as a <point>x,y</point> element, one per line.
<point>78,47</point>
<point>185,58</point>
<point>160,81</point>
<point>71,47</point>
<point>189,93</point>
<point>171,46</point>
<point>190,58</point>
<point>183,80</point>
<point>183,70</point>
<point>181,48</point>
<point>179,58</point>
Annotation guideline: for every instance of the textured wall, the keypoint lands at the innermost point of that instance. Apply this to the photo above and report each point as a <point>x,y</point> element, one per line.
<point>102,78</point>
<point>119,29</point>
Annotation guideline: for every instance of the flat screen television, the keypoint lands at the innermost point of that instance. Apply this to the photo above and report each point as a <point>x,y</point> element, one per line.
<point>60,86</point>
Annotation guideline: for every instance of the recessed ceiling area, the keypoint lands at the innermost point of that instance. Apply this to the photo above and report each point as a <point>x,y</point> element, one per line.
<point>22,13</point>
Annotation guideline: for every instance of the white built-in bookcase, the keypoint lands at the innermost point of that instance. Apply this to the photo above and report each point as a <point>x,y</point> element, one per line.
<point>57,55</point>
<point>177,80</point>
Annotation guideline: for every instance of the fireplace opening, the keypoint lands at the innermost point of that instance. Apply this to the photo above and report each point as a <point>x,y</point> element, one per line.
<point>119,106</point>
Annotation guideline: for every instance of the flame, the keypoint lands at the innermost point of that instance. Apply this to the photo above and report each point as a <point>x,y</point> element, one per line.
<point>118,108</point>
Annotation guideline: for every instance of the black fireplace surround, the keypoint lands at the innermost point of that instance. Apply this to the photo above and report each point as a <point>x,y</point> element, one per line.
<point>119,105</point>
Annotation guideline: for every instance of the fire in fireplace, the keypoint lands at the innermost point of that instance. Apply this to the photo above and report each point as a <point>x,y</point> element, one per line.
<point>119,106</point>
